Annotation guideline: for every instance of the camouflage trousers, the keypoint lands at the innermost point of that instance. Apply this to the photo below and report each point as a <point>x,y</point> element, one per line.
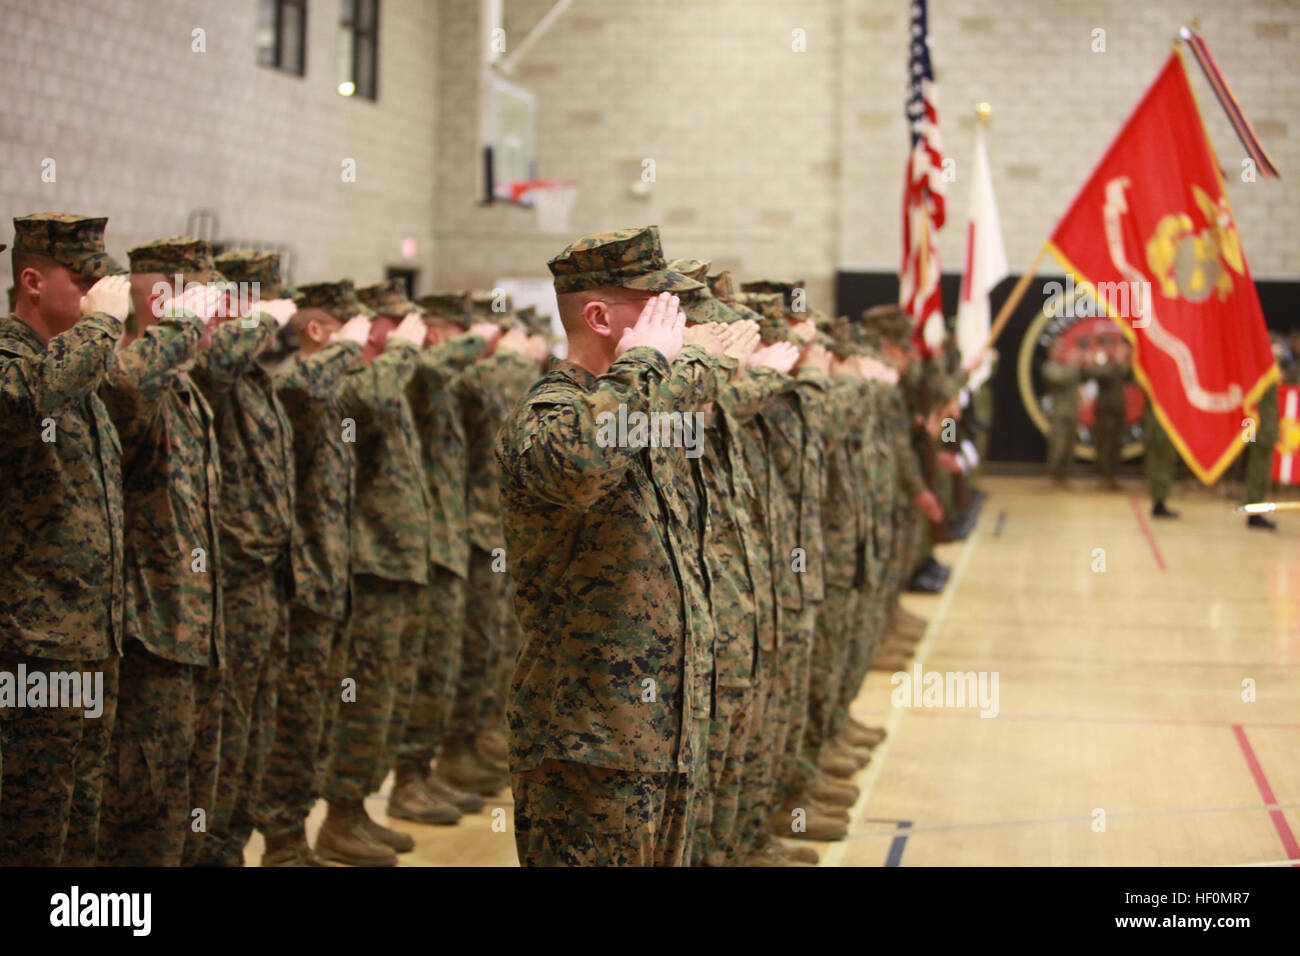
<point>1108,439</point>
<point>52,779</point>
<point>1160,459</point>
<point>386,639</point>
<point>866,630</point>
<point>574,814</point>
<point>503,662</point>
<point>310,689</point>
<point>838,619</point>
<point>257,636</point>
<point>162,761</point>
<point>758,767</point>
<point>482,645</point>
<point>1061,438</point>
<point>1259,456</point>
<point>435,685</point>
<point>794,674</point>
<point>717,823</point>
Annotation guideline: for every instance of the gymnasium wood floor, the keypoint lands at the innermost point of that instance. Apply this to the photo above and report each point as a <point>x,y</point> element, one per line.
<point>1120,692</point>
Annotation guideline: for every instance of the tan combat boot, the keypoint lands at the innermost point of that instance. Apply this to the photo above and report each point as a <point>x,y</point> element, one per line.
<point>459,765</point>
<point>800,854</point>
<point>835,764</point>
<point>290,849</point>
<point>411,800</point>
<point>440,789</point>
<point>343,838</point>
<point>771,854</point>
<point>833,792</point>
<point>494,745</point>
<point>861,736</point>
<point>815,823</point>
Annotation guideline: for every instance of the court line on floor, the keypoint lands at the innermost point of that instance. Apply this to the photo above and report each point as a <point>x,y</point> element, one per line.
<point>1085,818</point>
<point>973,714</point>
<point>1146,530</point>
<point>867,782</point>
<point>997,528</point>
<point>1266,793</point>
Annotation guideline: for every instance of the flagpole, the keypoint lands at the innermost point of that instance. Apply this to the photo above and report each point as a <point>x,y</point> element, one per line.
<point>1009,306</point>
<point>1003,317</point>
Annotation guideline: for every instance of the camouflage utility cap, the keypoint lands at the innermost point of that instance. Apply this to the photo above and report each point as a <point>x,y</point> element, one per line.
<point>338,299</point>
<point>452,306</point>
<point>723,285</point>
<point>495,306</point>
<point>772,326</point>
<point>251,266</point>
<point>74,242</point>
<point>627,258</point>
<point>700,305</point>
<point>388,298</point>
<point>889,321</point>
<point>185,256</point>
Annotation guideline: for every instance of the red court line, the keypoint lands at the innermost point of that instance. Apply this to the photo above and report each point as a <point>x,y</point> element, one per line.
<point>1266,792</point>
<point>1146,530</point>
<point>972,713</point>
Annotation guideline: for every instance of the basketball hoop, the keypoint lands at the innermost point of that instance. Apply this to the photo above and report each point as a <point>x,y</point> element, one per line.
<point>553,200</point>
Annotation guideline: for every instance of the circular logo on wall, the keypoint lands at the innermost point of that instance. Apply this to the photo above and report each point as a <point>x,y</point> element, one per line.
<point>1067,319</point>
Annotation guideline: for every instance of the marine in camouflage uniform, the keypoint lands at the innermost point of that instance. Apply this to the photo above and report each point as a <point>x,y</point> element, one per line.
<point>892,329</point>
<point>426,679</point>
<point>793,424</point>
<point>1112,375</point>
<point>877,472</point>
<point>255,522</point>
<point>741,400</point>
<point>611,699</point>
<point>486,392</point>
<point>1062,377</point>
<point>61,580</point>
<point>491,741</point>
<point>166,744</point>
<point>846,514</point>
<point>310,387</point>
<point>1259,457</point>
<point>390,567</point>
<point>1160,462</point>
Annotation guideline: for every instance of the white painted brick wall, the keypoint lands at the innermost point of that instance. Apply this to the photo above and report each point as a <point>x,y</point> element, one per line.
<point>143,130</point>
<point>769,161</point>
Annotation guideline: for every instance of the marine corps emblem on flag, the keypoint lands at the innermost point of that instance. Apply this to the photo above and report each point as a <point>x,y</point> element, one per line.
<point>1153,224</point>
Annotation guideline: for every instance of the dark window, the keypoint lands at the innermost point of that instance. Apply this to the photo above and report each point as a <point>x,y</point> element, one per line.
<point>408,276</point>
<point>281,35</point>
<point>358,48</point>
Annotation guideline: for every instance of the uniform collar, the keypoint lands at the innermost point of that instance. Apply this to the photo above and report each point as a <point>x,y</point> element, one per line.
<point>572,371</point>
<point>25,332</point>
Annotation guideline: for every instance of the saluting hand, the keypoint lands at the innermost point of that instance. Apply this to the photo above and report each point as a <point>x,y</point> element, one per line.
<point>412,329</point>
<point>779,355</point>
<point>743,339</point>
<point>355,329</point>
<point>488,331</point>
<point>706,337</point>
<point>281,310</point>
<point>659,326</point>
<point>111,294</point>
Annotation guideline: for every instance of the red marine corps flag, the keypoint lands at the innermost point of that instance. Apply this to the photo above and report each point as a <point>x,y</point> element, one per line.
<point>1151,237</point>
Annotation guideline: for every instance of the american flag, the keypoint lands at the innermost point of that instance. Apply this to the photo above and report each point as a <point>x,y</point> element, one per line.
<point>923,201</point>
